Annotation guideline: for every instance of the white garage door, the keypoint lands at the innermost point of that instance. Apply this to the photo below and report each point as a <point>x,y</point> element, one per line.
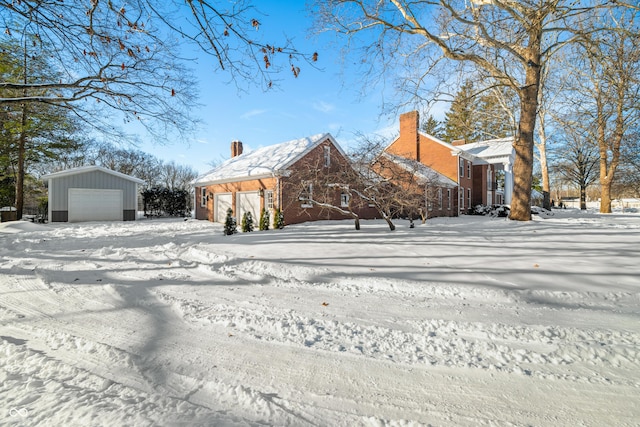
<point>249,201</point>
<point>222,202</point>
<point>87,204</point>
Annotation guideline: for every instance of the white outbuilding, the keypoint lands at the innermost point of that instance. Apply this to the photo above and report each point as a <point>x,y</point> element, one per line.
<point>92,193</point>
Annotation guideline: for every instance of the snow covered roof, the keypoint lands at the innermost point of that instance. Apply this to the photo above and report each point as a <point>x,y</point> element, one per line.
<point>264,162</point>
<point>90,168</point>
<point>490,149</point>
<point>423,172</point>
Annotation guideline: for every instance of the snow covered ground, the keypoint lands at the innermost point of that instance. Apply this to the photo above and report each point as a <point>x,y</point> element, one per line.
<point>460,322</point>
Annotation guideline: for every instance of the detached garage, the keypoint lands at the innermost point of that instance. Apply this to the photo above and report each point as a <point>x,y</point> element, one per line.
<point>92,193</point>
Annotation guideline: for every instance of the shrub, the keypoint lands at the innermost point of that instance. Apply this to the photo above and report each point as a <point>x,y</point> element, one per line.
<point>247,222</point>
<point>264,220</point>
<point>162,201</point>
<point>230,225</point>
<point>278,220</point>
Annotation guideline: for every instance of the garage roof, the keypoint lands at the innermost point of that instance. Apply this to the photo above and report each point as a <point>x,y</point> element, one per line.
<point>91,168</point>
<point>264,162</point>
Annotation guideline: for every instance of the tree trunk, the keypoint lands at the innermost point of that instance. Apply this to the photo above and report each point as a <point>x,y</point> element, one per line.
<point>523,164</point>
<point>605,198</point>
<point>523,144</point>
<point>356,220</point>
<point>546,188</point>
<point>22,142</point>
<point>583,197</point>
<point>392,226</point>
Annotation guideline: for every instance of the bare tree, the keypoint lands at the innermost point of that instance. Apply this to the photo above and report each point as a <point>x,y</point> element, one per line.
<point>177,177</point>
<point>608,79</point>
<point>508,40</point>
<point>329,188</point>
<point>126,57</point>
<point>576,161</point>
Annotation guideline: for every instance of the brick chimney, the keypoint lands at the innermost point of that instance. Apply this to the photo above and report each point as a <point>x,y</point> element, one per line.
<point>236,148</point>
<point>409,138</point>
<point>458,142</point>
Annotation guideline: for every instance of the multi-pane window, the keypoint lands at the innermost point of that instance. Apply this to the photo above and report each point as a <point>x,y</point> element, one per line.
<point>468,169</point>
<point>203,197</point>
<point>268,199</point>
<point>448,198</point>
<point>461,166</point>
<point>327,156</point>
<point>344,200</point>
<point>468,197</point>
<point>440,198</point>
<point>306,194</point>
<point>461,201</point>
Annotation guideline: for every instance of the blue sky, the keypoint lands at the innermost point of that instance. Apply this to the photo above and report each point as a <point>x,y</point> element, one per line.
<point>318,101</point>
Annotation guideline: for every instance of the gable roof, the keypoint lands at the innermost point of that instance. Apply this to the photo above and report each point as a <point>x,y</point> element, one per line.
<point>264,162</point>
<point>423,172</point>
<point>90,168</point>
<point>491,150</point>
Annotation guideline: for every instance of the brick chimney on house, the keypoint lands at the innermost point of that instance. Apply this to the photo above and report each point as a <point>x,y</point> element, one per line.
<point>409,139</point>
<point>458,142</point>
<point>236,148</point>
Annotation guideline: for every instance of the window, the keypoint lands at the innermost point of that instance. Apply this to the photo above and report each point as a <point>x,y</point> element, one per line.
<point>327,156</point>
<point>468,197</point>
<point>461,166</point>
<point>448,198</point>
<point>461,201</point>
<point>440,198</point>
<point>489,180</point>
<point>268,199</point>
<point>344,200</point>
<point>468,169</point>
<point>203,197</point>
<point>306,194</point>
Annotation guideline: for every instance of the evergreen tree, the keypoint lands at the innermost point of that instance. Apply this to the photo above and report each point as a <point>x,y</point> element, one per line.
<point>230,224</point>
<point>492,121</point>
<point>247,222</point>
<point>459,118</point>
<point>264,220</point>
<point>433,127</point>
<point>30,133</point>
<point>477,115</point>
<point>278,220</point>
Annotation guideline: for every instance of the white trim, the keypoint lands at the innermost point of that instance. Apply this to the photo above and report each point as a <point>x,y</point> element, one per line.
<point>86,169</point>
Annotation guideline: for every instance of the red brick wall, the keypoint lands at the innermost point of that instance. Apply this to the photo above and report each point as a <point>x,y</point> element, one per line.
<point>232,187</point>
<point>438,157</point>
<point>287,196</point>
<point>306,168</point>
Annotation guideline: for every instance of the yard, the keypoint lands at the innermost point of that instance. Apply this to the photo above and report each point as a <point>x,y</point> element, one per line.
<point>460,322</point>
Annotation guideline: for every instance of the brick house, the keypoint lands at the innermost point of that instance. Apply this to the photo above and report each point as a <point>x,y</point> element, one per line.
<point>278,176</point>
<point>427,193</point>
<point>475,168</point>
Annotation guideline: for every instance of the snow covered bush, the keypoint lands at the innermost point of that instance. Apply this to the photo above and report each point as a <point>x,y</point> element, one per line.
<point>247,222</point>
<point>230,225</point>
<point>264,220</point>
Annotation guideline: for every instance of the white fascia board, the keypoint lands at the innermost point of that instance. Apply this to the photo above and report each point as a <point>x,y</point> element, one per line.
<point>233,179</point>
